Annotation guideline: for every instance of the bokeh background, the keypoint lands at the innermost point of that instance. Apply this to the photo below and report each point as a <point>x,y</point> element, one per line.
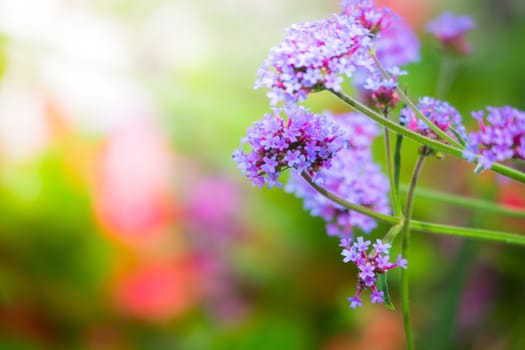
<point>124,224</point>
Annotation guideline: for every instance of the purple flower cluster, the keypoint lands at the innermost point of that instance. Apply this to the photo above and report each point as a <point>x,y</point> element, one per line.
<point>450,30</point>
<point>381,92</point>
<point>352,176</point>
<point>312,57</point>
<point>303,141</point>
<point>503,137</point>
<point>441,113</point>
<point>369,265</point>
<point>373,18</point>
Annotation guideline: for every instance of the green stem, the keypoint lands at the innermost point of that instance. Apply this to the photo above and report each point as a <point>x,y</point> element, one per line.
<point>508,172</point>
<point>397,160</point>
<point>396,203</point>
<point>363,210</point>
<point>422,226</point>
<point>436,145</point>
<point>387,123</point>
<point>465,202</point>
<point>497,236</point>
<point>404,97</point>
<point>405,239</point>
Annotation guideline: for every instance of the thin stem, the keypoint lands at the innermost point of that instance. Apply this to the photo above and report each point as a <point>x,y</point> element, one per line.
<point>396,203</point>
<point>445,76</point>
<point>378,118</point>
<point>497,236</point>
<point>436,145</point>
<point>465,202</point>
<point>508,172</point>
<point>397,160</point>
<point>404,97</point>
<point>405,238</point>
<point>363,210</point>
<point>421,226</point>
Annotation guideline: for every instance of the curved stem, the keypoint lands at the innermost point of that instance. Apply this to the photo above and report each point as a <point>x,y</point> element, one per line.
<point>421,226</point>
<point>436,145</point>
<point>404,97</point>
<point>363,210</point>
<point>465,202</point>
<point>477,233</point>
<point>405,238</point>
<point>387,123</point>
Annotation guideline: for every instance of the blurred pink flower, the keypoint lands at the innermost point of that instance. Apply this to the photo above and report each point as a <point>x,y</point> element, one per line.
<point>157,291</point>
<point>133,200</point>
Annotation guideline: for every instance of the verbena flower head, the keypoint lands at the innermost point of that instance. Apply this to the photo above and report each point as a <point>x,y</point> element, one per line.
<point>450,30</point>
<point>441,113</point>
<point>314,56</point>
<point>370,265</point>
<point>288,138</point>
<point>370,16</point>
<point>352,176</point>
<point>381,92</point>
<point>501,137</point>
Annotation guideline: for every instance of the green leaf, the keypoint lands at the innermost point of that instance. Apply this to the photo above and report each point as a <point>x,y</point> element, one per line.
<point>382,285</point>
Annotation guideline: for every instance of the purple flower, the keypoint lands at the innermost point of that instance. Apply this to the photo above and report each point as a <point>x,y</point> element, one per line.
<point>303,141</point>
<point>369,266</point>
<point>450,30</point>
<point>352,176</point>
<point>373,18</point>
<point>381,247</point>
<point>402,263</point>
<point>349,255</point>
<point>314,56</point>
<point>441,113</point>
<point>345,243</point>
<point>367,270</point>
<point>501,137</point>
<point>383,262</point>
<point>398,45</point>
<point>361,245</point>
<point>381,92</point>
<point>355,301</point>
<point>377,297</point>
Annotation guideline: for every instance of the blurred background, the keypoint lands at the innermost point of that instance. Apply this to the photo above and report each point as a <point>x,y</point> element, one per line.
<point>124,224</point>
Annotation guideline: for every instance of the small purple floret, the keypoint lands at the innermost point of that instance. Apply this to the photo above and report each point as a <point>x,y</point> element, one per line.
<point>355,302</point>
<point>377,297</point>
